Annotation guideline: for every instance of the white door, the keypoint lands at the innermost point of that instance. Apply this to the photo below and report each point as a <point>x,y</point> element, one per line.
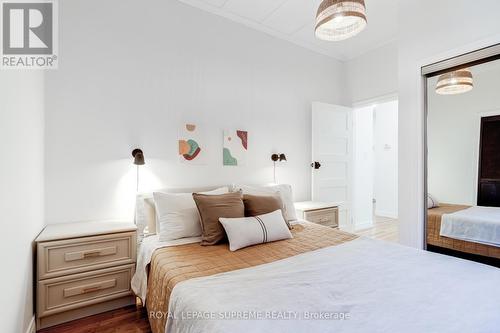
<point>332,157</point>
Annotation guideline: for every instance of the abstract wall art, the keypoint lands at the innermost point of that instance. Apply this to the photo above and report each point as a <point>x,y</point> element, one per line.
<point>235,147</point>
<point>192,145</point>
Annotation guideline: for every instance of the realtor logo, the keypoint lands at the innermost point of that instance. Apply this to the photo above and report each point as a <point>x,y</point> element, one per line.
<point>29,34</point>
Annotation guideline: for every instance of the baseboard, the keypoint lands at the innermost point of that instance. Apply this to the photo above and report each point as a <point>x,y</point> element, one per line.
<point>32,326</point>
<point>391,215</point>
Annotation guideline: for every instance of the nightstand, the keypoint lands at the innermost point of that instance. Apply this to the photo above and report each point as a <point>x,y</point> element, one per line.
<point>323,213</point>
<point>83,269</point>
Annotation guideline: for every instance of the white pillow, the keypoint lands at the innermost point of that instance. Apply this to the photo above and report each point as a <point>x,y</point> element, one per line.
<point>145,210</point>
<point>246,231</point>
<point>431,201</point>
<point>150,213</point>
<point>145,216</point>
<point>284,190</point>
<point>177,214</point>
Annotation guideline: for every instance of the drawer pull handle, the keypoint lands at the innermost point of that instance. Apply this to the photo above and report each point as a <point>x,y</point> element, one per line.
<point>81,255</point>
<point>91,254</point>
<point>91,289</point>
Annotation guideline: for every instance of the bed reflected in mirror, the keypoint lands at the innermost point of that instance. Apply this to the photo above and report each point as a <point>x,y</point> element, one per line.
<point>463,162</point>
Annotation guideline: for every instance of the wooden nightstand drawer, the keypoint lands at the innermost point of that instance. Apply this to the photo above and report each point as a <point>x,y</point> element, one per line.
<point>79,290</point>
<point>63,257</point>
<point>326,217</point>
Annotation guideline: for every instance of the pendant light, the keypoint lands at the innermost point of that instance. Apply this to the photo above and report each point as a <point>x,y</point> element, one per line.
<point>340,19</point>
<point>455,82</point>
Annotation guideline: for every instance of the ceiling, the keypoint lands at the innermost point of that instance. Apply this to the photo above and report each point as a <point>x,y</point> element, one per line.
<point>293,20</point>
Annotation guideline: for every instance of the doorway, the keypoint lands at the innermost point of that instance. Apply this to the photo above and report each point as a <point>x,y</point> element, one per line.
<point>375,170</point>
<point>355,163</point>
<point>489,162</point>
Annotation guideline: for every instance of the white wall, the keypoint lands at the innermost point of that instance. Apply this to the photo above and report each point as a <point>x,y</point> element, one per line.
<point>135,90</point>
<point>130,73</point>
<point>453,135</point>
<point>362,174</point>
<point>21,192</point>
<point>386,159</point>
<point>373,74</point>
<point>430,31</point>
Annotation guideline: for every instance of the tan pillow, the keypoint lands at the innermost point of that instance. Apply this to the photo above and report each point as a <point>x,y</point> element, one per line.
<point>211,208</point>
<point>261,204</point>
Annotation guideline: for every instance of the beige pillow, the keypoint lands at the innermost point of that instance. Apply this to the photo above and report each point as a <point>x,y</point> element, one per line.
<point>213,207</point>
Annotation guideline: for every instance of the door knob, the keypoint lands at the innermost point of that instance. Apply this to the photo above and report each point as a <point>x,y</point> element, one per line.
<point>316,165</point>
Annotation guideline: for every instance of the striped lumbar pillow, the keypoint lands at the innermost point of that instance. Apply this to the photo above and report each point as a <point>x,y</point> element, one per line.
<point>246,231</point>
<point>431,201</point>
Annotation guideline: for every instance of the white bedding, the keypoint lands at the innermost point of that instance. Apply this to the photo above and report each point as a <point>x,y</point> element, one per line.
<point>474,224</point>
<point>372,285</point>
<point>144,254</point>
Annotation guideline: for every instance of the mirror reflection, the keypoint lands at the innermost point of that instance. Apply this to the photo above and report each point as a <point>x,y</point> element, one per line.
<point>463,167</point>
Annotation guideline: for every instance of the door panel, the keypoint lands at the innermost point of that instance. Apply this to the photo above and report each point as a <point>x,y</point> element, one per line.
<point>332,148</point>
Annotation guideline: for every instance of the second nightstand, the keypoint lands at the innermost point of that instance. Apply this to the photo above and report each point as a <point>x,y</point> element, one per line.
<point>323,213</point>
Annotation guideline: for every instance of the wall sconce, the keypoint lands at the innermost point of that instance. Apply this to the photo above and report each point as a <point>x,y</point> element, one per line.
<point>138,156</point>
<point>277,158</point>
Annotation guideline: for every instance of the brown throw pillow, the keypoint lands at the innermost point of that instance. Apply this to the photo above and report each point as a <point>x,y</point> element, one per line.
<point>263,204</point>
<point>211,208</point>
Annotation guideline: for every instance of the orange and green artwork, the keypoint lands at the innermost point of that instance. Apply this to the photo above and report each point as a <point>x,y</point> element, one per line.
<point>191,145</point>
<point>234,150</point>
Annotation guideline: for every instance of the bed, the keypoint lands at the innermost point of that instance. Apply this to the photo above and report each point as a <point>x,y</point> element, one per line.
<point>321,280</point>
<point>434,217</point>
<point>171,265</point>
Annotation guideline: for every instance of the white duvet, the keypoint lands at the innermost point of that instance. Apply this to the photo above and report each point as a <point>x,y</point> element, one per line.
<point>360,286</point>
<point>145,253</point>
<point>474,224</point>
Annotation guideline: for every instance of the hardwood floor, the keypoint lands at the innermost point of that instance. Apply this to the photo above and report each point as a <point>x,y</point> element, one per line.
<point>132,319</point>
<point>384,228</point>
